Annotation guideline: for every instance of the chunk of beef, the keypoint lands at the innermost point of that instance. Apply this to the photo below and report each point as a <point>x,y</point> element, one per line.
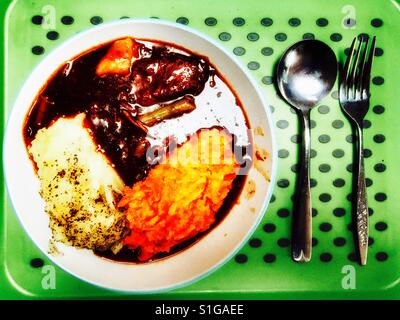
<point>166,76</point>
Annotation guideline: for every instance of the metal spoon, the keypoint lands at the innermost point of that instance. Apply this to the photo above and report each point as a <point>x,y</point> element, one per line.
<point>305,74</point>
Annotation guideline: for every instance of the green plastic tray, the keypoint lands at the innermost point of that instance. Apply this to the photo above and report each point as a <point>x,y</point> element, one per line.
<point>257,32</point>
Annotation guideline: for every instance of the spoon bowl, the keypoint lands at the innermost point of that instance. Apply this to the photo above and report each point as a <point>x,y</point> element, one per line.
<point>306,73</point>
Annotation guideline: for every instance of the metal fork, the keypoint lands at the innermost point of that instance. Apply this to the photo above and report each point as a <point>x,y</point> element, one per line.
<point>354,98</point>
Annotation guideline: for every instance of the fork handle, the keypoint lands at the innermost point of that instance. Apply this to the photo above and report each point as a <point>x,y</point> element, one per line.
<point>361,206</point>
<point>301,225</point>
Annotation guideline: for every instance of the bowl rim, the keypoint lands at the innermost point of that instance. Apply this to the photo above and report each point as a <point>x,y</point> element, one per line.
<point>250,78</point>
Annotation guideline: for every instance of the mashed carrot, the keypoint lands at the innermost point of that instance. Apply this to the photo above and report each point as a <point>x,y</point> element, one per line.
<point>180,196</point>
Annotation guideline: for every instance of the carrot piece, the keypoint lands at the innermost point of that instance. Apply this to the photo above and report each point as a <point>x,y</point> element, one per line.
<point>118,59</point>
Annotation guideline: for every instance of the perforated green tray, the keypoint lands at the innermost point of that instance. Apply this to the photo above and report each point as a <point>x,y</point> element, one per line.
<point>257,32</point>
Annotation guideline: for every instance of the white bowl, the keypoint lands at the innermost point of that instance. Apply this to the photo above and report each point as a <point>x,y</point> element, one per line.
<point>183,268</point>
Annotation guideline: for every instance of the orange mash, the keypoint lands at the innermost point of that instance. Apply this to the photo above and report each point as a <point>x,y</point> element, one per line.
<point>181,195</point>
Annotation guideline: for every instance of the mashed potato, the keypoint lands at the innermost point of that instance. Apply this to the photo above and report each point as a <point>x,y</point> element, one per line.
<point>78,186</point>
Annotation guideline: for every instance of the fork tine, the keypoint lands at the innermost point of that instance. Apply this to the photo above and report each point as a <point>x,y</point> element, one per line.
<point>346,70</point>
<point>352,80</point>
<point>360,75</point>
<point>368,66</point>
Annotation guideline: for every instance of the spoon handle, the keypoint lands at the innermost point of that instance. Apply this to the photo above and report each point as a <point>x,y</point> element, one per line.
<point>361,206</point>
<point>301,227</point>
